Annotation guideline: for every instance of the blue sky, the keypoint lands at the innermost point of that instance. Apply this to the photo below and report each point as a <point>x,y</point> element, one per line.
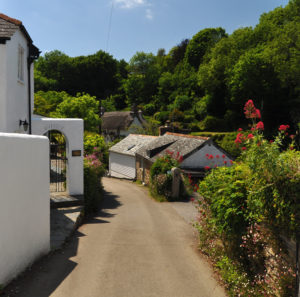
<point>78,27</point>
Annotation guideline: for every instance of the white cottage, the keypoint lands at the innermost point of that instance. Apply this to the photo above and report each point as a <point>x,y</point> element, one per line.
<point>17,54</point>
<point>122,161</point>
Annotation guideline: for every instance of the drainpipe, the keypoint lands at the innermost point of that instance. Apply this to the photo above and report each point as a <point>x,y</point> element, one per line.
<point>33,54</point>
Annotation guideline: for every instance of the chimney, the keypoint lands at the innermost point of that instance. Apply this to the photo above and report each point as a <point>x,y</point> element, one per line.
<point>166,128</point>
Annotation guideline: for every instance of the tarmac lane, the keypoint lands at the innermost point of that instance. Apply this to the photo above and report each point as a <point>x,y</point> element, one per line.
<point>134,247</point>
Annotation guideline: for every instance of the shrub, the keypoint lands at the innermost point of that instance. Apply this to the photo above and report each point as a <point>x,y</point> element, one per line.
<point>93,171</point>
<point>93,141</point>
<point>248,206</point>
<point>160,175</point>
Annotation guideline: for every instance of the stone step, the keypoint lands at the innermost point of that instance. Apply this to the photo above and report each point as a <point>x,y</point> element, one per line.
<point>60,200</point>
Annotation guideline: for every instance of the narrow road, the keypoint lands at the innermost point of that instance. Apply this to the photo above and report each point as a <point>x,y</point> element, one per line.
<point>134,247</point>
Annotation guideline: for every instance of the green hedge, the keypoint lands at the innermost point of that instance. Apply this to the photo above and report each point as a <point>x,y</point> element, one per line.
<point>92,187</point>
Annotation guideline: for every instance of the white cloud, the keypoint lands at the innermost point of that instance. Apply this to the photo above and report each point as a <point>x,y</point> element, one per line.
<point>130,3</point>
<point>149,14</point>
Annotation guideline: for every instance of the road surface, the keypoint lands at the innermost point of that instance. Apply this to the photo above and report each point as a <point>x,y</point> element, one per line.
<point>134,247</point>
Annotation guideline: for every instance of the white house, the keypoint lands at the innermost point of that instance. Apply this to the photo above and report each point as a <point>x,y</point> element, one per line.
<point>24,155</point>
<point>196,154</point>
<point>122,162</point>
<point>17,54</point>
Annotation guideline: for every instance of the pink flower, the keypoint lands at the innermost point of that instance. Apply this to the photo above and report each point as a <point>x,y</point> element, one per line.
<point>260,126</point>
<point>240,129</point>
<point>206,167</point>
<point>250,136</point>
<point>292,136</point>
<point>210,157</point>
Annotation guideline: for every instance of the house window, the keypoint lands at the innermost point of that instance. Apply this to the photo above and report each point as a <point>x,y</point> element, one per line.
<point>21,64</point>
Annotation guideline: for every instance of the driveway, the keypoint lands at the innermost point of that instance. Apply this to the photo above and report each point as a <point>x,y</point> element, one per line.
<point>134,247</point>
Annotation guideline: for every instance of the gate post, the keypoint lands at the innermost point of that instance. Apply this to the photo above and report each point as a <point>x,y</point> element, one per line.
<point>175,182</point>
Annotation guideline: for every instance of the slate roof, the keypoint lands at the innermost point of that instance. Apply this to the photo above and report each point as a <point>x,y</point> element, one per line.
<point>130,144</point>
<point>8,26</point>
<point>184,144</point>
<point>119,120</point>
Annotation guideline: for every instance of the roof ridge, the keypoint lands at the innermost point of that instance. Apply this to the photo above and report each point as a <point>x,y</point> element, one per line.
<point>153,136</point>
<point>11,20</point>
<point>187,136</point>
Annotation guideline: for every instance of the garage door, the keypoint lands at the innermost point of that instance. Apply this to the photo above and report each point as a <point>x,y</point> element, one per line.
<point>121,166</point>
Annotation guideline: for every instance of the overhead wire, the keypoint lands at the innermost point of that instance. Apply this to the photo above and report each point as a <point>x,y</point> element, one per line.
<point>109,25</point>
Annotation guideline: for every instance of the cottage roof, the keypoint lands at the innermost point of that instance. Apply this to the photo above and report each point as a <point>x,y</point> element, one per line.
<point>119,120</point>
<point>130,144</point>
<point>8,26</point>
<point>173,142</point>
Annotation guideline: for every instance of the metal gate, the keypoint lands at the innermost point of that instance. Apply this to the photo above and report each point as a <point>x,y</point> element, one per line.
<point>58,162</point>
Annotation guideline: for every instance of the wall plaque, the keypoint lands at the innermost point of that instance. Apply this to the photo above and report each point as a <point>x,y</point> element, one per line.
<point>76,153</point>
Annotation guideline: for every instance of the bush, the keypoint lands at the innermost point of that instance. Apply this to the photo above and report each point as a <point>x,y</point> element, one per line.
<point>211,123</point>
<point>161,177</point>
<point>93,141</point>
<point>93,171</point>
<point>248,206</point>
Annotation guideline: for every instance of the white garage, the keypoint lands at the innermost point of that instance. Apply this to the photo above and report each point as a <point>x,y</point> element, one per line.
<point>122,162</point>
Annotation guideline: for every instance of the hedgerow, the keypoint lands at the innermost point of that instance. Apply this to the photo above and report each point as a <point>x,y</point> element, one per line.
<point>245,209</point>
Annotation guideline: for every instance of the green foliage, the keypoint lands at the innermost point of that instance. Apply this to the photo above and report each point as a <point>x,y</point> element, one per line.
<point>161,177</point>
<point>82,106</point>
<point>225,191</point>
<point>46,103</point>
<point>96,74</point>
<point>93,171</point>
<point>201,43</point>
<point>211,123</point>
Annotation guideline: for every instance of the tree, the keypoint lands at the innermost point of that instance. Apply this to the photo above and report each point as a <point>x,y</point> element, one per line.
<point>201,43</point>
<point>82,106</point>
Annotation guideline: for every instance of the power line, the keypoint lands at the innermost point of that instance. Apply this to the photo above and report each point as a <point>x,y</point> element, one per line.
<point>109,25</point>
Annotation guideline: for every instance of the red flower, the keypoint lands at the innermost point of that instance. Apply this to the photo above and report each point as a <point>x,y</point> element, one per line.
<point>223,156</point>
<point>271,141</point>
<point>217,156</point>
<point>260,126</point>
<point>231,162</point>
<point>225,162</point>
<point>252,129</point>
<point>250,136</point>
<point>244,148</point>
<point>250,111</point>
<point>192,199</point>
<point>283,127</point>
<point>180,159</point>
<point>211,157</point>
<point>206,167</point>
<point>240,129</point>
<point>292,136</point>
<point>258,115</point>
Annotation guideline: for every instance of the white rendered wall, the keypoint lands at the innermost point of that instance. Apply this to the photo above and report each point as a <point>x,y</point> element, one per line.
<point>199,159</point>
<point>24,202</point>
<point>72,129</point>
<point>17,91</point>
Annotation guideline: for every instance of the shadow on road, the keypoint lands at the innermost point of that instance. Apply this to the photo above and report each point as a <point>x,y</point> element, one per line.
<point>45,276</point>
